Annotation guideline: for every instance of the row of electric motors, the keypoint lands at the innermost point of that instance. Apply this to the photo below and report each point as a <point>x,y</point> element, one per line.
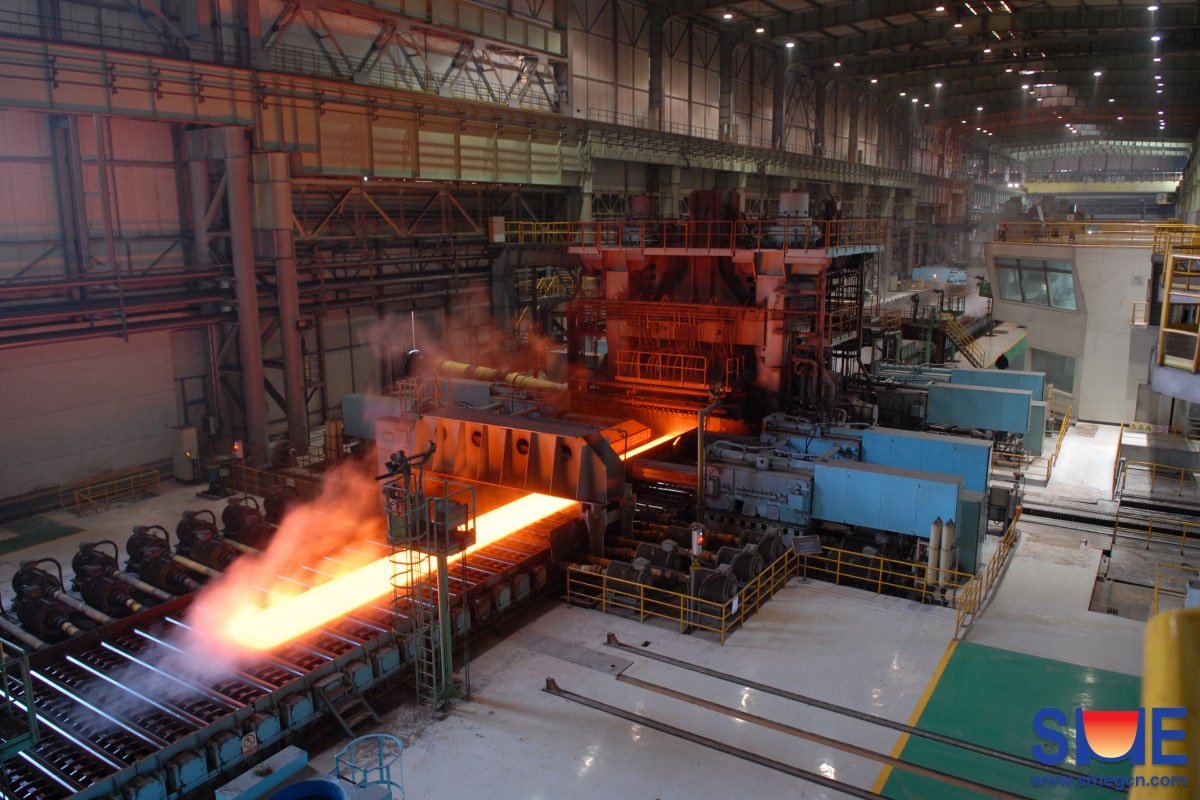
<point>714,568</point>
<point>47,613</point>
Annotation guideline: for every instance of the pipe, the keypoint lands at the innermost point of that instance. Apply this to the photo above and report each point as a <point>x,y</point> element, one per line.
<point>196,566</point>
<point>457,369</point>
<point>142,586</point>
<point>935,546</point>
<point>81,607</point>
<point>21,635</point>
<point>947,557</point>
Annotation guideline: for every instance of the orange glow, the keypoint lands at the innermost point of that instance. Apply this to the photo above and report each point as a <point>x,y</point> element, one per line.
<point>255,622</point>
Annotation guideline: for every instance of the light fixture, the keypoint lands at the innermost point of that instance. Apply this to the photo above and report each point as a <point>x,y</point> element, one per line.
<point>1157,59</point>
<point>1152,8</point>
<point>790,45</point>
<point>1008,70</point>
<point>727,15</point>
<point>916,99</point>
<point>937,85</point>
<point>964,122</point>
<point>1120,118</point>
<point>837,63</point>
<point>987,49</point>
<point>760,29</point>
<point>1158,77</point>
<point>978,128</point>
<point>940,9</point>
<point>874,80</point>
<point>1156,38</point>
<point>1039,99</point>
<point>927,105</point>
<point>904,94</point>
<point>991,134</point>
<point>979,108</point>
<point>1024,85</point>
<point>1097,73</point>
<point>1160,113</point>
<point>958,24</point>
<point>1068,124</point>
<point>1112,99</point>
<point>1032,92</point>
<point>1158,91</point>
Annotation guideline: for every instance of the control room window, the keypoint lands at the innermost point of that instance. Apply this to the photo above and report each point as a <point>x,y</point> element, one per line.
<point>1059,369</point>
<point>1037,282</point>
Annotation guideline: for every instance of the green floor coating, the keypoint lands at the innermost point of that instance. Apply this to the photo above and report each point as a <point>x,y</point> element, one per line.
<point>31,531</point>
<point>989,696</point>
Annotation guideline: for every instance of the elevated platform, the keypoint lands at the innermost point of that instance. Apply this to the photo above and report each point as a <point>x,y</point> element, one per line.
<point>800,239</point>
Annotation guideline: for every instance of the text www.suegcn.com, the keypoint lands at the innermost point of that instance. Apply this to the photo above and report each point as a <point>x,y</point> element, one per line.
<point>1109,781</point>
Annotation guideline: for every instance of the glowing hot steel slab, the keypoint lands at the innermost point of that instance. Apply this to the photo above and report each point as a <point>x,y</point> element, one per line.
<point>258,628</point>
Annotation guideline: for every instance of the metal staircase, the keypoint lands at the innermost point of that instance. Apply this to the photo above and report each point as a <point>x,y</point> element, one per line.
<point>347,704</point>
<point>964,342</point>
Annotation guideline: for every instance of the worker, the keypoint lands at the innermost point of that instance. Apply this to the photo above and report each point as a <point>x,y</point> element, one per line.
<point>1002,234</point>
<point>1002,362</point>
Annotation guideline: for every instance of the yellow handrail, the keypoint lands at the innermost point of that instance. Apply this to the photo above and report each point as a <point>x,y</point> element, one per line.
<point>1167,578</point>
<point>974,593</point>
<point>585,585</point>
<point>100,496</point>
<point>1171,662</point>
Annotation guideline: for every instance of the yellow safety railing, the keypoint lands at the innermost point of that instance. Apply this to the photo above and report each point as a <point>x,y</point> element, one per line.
<point>875,571</point>
<point>1175,475</point>
<point>1170,585</point>
<point>1105,234</point>
<point>1167,437</point>
<point>966,344</point>
<point>101,495</point>
<point>1141,313</point>
<point>972,595</point>
<point>249,480</point>
<point>1171,530</point>
<point>1176,236</point>
<point>785,233</point>
<point>1037,468</point>
<point>1170,664</point>
<point>585,586</point>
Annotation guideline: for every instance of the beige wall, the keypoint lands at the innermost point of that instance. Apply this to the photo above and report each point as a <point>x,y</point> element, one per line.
<point>1111,355</point>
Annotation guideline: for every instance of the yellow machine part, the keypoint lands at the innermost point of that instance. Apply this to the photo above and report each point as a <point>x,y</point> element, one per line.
<point>1171,678</point>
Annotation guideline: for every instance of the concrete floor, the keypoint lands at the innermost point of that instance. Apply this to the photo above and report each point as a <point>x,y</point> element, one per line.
<point>873,653</point>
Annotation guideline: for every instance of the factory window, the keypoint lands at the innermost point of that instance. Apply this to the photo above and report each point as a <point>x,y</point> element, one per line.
<point>1059,369</point>
<point>1036,281</point>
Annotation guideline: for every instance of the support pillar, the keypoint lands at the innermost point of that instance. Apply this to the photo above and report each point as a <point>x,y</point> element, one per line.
<point>273,220</point>
<point>241,245</point>
<point>725,95</point>
<point>656,19</point>
<point>585,196</point>
<point>779,104</point>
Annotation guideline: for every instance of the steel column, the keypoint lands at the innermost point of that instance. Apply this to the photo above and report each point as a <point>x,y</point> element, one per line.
<point>241,241</point>
<point>274,218</point>
<point>656,19</point>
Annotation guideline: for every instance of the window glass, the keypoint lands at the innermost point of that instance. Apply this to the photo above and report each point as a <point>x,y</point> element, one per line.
<point>1061,266</point>
<point>1010,289</point>
<point>1001,261</point>
<point>1059,369</point>
<point>1033,287</point>
<point>1062,290</point>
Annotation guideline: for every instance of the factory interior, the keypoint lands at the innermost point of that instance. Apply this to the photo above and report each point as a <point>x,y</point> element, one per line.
<point>599,398</point>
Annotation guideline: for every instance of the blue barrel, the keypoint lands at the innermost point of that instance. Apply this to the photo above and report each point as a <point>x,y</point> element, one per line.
<point>310,790</point>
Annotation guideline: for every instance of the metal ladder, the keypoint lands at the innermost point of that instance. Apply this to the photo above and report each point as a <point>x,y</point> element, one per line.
<point>345,701</point>
<point>965,343</point>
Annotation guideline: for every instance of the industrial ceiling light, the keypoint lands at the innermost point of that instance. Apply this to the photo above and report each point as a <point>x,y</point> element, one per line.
<point>940,9</point>
<point>1156,38</point>
<point>927,105</point>
<point>1152,8</point>
<point>790,45</point>
<point>987,49</point>
<point>837,63</point>
<point>1039,99</point>
<point>1160,113</point>
<point>904,94</point>
<point>937,85</point>
<point>958,24</point>
<point>727,15</point>
<point>1158,91</point>
<point>1024,85</point>
<point>1158,77</point>
<point>1157,59</point>
<point>760,29</point>
<point>916,99</point>
<point>1097,73</point>
<point>1120,118</point>
<point>874,80</point>
<point>979,108</point>
<point>1112,99</point>
<point>1008,70</point>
